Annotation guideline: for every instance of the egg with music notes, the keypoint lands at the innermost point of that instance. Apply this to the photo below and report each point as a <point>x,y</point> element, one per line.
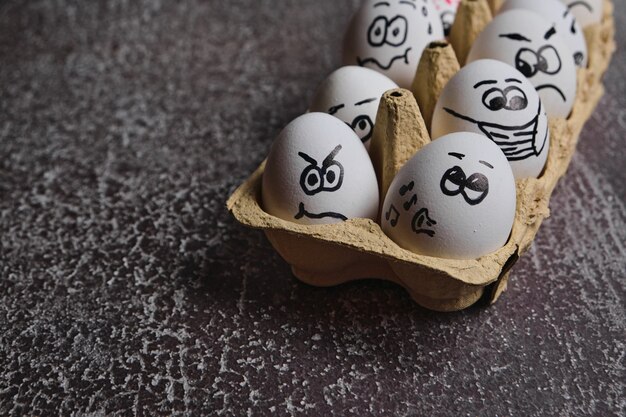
<point>352,94</point>
<point>389,37</point>
<point>496,100</point>
<point>455,198</point>
<point>317,172</point>
<point>530,43</point>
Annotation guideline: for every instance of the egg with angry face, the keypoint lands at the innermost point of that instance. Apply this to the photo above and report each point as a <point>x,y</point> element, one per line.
<point>389,37</point>
<point>455,198</point>
<point>352,94</point>
<point>563,21</point>
<point>531,44</point>
<point>318,172</point>
<point>494,99</point>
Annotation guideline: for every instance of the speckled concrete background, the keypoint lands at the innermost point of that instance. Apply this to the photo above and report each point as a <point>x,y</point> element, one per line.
<point>126,288</point>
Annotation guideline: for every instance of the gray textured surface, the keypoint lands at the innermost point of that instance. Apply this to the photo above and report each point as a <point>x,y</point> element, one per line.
<point>126,287</point>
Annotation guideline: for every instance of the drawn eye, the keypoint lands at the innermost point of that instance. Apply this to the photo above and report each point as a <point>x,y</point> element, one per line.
<point>362,126</point>
<point>477,182</point>
<point>333,176</point>
<point>526,62</point>
<point>573,28</point>
<point>311,180</point>
<point>494,99</point>
<point>377,31</point>
<point>515,99</point>
<point>550,62</point>
<point>396,31</point>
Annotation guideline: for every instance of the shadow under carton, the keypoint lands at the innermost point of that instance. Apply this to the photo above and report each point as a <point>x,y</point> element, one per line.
<point>326,255</point>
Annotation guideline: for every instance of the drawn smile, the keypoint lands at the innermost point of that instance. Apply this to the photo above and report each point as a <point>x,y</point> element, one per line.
<point>364,61</point>
<point>517,142</point>
<point>303,213</point>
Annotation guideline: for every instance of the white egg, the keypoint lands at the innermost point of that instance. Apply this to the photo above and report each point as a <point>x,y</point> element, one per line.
<point>447,11</point>
<point>352,94</point>
<point>587,12</point>
<point>454,199</point>
<point>494,99</point>
<point>318,172</point>
<point>389,37</point>
<point>529,42</point>
<point>564,22</point>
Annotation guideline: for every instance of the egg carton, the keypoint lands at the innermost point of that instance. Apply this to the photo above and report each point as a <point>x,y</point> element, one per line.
<point>327,255</point>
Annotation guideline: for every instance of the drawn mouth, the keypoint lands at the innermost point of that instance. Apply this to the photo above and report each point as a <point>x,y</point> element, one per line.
<point>553,87</point>
<point>365,61</point>
<point>303,213</point>
<point>517,142</point>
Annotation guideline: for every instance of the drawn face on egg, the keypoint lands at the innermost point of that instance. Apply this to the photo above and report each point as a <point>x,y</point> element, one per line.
<point>352,95</point>
<point>586,12</point>
<point>319,172</point>
<point>454,199</point>
<point>389,37</point>
<point>564,22</point>
<point>528,42</point>
<point>492,98</point>
<point>447,12</point>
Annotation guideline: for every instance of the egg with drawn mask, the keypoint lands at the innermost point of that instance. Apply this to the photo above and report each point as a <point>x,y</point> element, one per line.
<point>586,12</point>
<point>352,94</point>
<point>447,12</point>
<point>319,172</point>
<point>494,99</point>
<point>564,22</point>
<point>389,37</point>
<point>455,198</point>
<point>531,44</point>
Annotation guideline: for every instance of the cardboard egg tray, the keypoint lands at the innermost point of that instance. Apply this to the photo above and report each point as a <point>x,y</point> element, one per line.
<point>326,255</point>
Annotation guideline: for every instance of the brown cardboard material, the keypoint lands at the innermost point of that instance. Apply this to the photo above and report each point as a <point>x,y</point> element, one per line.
<point>471,18</point>
<point>327,255</point>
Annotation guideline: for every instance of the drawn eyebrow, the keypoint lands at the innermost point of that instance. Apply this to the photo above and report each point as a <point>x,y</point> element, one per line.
<point>478,84</point>
<point>581,3</point>
<point>381,3</point>
<point>307,158</point>
<point>456,155</point>
<point>329,159</point>
<point>487,164</point>
<point>549,33</point>
<point>409,3</point>
<point>367,100</point>
<point>515,37</point>
<point>566,12</point>
<point>335,109</point>
<point>512,80</point>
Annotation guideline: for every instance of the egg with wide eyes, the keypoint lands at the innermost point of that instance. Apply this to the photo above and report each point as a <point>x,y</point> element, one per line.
<point>318,172</point>
<point>455,198</point>
<point>496,100</point>
<point>352,94</point>
<point>447,12</point>
<point>531,44</point>
<point>389,37</point>
<point>586,12</point>
<point>564,22</point>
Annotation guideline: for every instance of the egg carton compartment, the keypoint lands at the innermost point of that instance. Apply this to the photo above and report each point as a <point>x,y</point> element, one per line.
<point>327,255</point>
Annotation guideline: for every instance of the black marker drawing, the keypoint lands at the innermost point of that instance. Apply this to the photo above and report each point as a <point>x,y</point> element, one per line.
<point>387,31</point>
<point>447,19</point>
<point>303,213</point>
<point>407,204</point>
<point>328,177</point>
<point>362,126</point>
<point>422,222</point>
<point>392,212</point>
<point>406,188</point>
<point>581,3</point>
<point>365,61</point>
<point>545,60</point>
<point>335,109</point>
<point>517,142</point>
<point>474,188</point>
